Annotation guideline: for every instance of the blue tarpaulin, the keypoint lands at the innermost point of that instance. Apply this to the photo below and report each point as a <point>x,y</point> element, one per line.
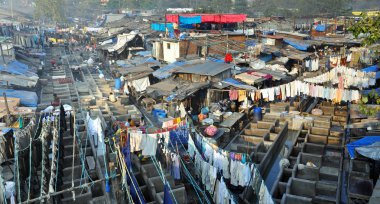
<point>265,58</point>
<point>165,72</point>
<point>190,20</point>
<point>233,81</point>
<point>360,143</point>
<point>28,98</point>
<point>215,59</point>
<point>297,45</point>
<point>162,26</point>
<point>373,68</point>
<point>320,28</point>
<point>152,60</point>
<point>144,53</point>
<point>18,68</point>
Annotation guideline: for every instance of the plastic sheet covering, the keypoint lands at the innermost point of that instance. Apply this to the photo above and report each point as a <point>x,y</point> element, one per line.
<point>266,58</point>
<point>297,45</point>
<point>258,64</point>
<point>161,26</point>
<point>144,53</point>
<point>373,68</point>
<point>364,142</point>
<point>320,28</point>
<point>190,19</point>
<point>122,40</point>
<point>28,98</point>
<point>18,68</point>
<point>166,71</point>
<point>371,151</point>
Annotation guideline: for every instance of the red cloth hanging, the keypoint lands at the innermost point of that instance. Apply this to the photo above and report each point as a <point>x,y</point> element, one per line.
<point>210,18</point>
<point>228,58</point>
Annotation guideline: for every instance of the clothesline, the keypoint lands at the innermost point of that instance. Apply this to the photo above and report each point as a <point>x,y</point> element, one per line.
<point>296,88</point>
<point>239,173</point>
<point>351,77</point>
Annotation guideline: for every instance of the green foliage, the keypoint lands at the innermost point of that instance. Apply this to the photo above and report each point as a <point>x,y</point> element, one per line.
<point>372,98</point>
<point>369,25</point>
<point>51,9</point>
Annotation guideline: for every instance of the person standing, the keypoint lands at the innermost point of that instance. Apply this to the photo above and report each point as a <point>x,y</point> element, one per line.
<point>57,100</point>
<point>112,98</point>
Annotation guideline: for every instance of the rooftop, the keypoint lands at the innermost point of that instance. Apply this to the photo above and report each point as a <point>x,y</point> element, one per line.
<point>205,68</point>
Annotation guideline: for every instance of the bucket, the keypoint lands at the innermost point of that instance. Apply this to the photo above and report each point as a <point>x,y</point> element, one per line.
<point>257,114</point>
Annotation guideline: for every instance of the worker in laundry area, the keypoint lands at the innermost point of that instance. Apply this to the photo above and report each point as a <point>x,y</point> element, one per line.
<point>112,97</point>
<point>142,121</point>
<point>57,100</point>
<point>130,123</point>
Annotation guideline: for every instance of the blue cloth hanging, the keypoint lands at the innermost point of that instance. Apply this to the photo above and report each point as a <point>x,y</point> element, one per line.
<point>167,198</point>
<point>190,20</point>
<point>161,26</point>
<point>135,190</point>
<point>179,135</point>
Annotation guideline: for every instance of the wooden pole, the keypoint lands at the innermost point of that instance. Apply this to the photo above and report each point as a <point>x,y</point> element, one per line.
<point>7,118</point>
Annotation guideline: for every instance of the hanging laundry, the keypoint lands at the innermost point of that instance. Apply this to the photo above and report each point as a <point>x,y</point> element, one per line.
<point>233,95</point>
<point>226,167</point>
<point>271,94</point>
<point>150,145</point>
<point>315,65</point>
<point>307,63</point>
<point>175,166</point>
<point>141,84</point>
<point>242,95</point>
<point>234,167</point>
<point>136,141</point>
<point>167,197</point>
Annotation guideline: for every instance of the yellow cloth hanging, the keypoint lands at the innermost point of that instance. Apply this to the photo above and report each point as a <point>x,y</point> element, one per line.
<point>176,120</point>
<point>242,95</point>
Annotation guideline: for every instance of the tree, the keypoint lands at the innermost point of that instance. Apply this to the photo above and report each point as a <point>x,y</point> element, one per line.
<point>52,9</point>
<point>369,26</point>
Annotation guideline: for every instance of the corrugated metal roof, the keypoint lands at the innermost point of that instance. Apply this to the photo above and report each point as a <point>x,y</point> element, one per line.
<point>207,68</point>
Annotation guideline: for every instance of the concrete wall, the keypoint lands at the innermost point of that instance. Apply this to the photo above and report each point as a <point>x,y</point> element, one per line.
<point>273,151</point>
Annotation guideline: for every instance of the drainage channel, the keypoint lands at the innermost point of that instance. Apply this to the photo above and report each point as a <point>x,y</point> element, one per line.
<point>274,167</point>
